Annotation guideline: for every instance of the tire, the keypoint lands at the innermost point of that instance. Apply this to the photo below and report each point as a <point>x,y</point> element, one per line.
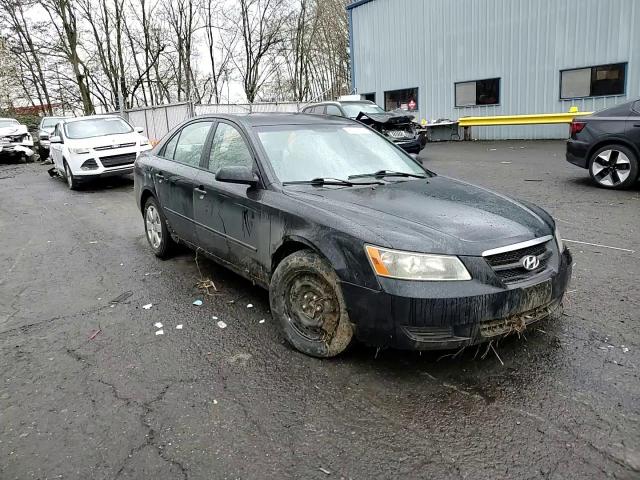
<point>72,182</point>
<point>156,230</point>
<point>306,299</point>
<point>622,173</point>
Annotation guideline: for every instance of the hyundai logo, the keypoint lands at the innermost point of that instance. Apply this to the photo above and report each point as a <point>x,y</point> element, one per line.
<point>530,262</point>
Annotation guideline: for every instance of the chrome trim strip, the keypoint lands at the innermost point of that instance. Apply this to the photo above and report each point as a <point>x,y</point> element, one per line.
<point>517,246</point>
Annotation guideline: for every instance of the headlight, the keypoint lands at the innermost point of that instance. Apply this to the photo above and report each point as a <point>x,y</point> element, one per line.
<point>558,238</point>
<point>416,266</point>
<point>144,141</point>
<point>79,150</point>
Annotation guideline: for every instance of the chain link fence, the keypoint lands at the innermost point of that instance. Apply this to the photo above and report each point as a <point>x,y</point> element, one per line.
<point>159,120</point>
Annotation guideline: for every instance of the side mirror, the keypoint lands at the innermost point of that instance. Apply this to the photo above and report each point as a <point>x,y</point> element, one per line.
<point>139,129</point>
<point>242,175</point>
<point>55,139</point>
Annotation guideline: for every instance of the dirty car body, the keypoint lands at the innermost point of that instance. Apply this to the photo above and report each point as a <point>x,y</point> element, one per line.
<point>15,139</point>
<point>502,265</point>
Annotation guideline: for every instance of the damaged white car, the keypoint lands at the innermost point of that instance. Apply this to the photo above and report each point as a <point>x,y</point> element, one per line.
<point>15,140</point>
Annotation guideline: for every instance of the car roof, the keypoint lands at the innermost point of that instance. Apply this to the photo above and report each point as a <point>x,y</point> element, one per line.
<point>340,102</point>
<point>264,119</point>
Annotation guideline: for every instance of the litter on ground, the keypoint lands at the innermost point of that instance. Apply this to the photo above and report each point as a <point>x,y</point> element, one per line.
<point>250,305</point>
<point>160,332</point>
<point>221,324</point>
<point>197,303</point>
<point>95,334</point>
<point>122,297</point>
<point>157,325</point>
<point>214,318</point>
<point>179,327</point>
<point>147,306</point>
<point>261,321</point>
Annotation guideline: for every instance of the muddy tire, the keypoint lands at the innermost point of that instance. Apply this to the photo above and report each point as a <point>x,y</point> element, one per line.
<point>614,166</point>
<point>306,299</point>
<point>156,230</point>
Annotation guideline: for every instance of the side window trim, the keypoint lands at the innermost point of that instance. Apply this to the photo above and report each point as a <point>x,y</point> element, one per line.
<point>177,137</point>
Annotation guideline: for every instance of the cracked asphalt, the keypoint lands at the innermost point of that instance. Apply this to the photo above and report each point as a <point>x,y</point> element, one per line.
<point>211,403</point>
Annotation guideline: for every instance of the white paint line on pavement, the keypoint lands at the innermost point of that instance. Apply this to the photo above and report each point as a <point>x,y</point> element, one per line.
<point>599,245</point>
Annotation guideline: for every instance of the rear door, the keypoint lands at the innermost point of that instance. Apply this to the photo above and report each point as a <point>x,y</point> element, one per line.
<point>633,125</point>
<point>231,223</point>
<point>175,176</point>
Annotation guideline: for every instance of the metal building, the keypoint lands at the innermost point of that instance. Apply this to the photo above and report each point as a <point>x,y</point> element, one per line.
<point>455,58</point>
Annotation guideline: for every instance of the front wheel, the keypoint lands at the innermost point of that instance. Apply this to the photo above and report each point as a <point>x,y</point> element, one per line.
<point>156,230</point>
<point>614,166</point>
<point>306,299</point>
<point>72,183</point>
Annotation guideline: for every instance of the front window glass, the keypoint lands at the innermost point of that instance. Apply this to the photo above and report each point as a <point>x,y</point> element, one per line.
<point>96,127</point>
<point>8,122</point>
<point>353,109</point>
<point>50,122</point>
<point>228,149</point>
<point>305,152</point>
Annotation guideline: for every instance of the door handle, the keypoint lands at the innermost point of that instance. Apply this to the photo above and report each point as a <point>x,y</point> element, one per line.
<point>636,124</point>
<point>160,176</point>
<point>200,190</point>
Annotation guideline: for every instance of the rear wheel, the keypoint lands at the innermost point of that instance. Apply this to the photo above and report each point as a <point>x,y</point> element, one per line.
<point>614,166</point>
<point>306,299</point>
<point>156,230</point>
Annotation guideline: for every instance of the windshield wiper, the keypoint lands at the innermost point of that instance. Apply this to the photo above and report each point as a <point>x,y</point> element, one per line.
<point>387,173</point>
<point>321,181</point>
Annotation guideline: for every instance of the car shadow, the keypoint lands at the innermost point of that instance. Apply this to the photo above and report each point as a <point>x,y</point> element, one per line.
<point>123,182</point>
<point>585,181</point>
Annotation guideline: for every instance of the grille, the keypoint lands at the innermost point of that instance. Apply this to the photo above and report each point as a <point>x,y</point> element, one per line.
<point>111,147</point>
<point>517,323</point>
<point>399,134</point>
<point>117,160</point>
<point>508,266</point>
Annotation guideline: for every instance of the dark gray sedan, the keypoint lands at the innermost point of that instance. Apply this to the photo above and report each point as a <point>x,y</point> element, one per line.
<point>352,237</point>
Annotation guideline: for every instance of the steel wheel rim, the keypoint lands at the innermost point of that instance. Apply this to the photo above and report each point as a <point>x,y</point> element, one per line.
<point>311,306</point>
<point>153,227</point>
<point>611,168</point>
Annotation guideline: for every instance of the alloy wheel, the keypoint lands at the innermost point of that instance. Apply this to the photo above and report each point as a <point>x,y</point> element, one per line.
<point>67,173</point>
<point>154,226</point>
<point>611,168</point>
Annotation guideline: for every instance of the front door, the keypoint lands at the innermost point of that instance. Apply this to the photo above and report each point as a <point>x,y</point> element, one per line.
<point>229,216</point>
<point>175,177</point>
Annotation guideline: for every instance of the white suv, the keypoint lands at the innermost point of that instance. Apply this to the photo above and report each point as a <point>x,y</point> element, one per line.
<point>95,146</point>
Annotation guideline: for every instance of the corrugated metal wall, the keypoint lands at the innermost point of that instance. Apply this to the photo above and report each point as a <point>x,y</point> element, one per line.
<point>431,44</point>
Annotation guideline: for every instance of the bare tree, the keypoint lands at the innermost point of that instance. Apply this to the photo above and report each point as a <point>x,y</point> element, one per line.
<point>221,43</point>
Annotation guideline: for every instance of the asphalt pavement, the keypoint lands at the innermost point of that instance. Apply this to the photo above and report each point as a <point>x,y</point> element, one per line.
<point>90,391</point>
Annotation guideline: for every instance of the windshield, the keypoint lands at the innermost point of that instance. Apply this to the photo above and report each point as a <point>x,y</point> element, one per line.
<point>96,127</point>
<point>8,122</point>
<point>50,122</point>
<point>353,109</point>
<point>304,152</point>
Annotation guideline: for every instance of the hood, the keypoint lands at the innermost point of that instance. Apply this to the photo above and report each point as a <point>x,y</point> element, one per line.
<point>105,140</point>
<point>13,130</point>
<point>387,118</point>
<point>437,215</point>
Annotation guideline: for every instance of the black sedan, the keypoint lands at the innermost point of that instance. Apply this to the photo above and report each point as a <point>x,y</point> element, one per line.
<point>608,144</point>
<point>352,237</point>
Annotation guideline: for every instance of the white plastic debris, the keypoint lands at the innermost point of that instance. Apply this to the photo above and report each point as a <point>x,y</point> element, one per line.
<point>197,303</point>
<point>325,471</point>
<point>179,327</point>
<point>249,305</point>
<point>625,349</point>
<point>157,325</point>
<point>160,332</point>
<point>214,318</point>
<point>122,264</point>
<point>147,306</point>
<point>261,321</point>
<point>506,163</point>
<point>215,402</point>
<point>221,324</point>
<point>93,242</point>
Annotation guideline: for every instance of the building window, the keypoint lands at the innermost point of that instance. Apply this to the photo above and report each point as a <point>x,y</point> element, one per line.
<point>593,81</point>
<point>369,96</point>
<point>405,99</point>
<point>478,92</point>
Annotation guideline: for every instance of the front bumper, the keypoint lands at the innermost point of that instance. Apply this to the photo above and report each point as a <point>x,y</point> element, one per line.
<point>410,146</point>
<point>452,316</point>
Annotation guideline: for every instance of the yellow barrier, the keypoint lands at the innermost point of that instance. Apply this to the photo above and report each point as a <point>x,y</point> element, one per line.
<point>540,118</point>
